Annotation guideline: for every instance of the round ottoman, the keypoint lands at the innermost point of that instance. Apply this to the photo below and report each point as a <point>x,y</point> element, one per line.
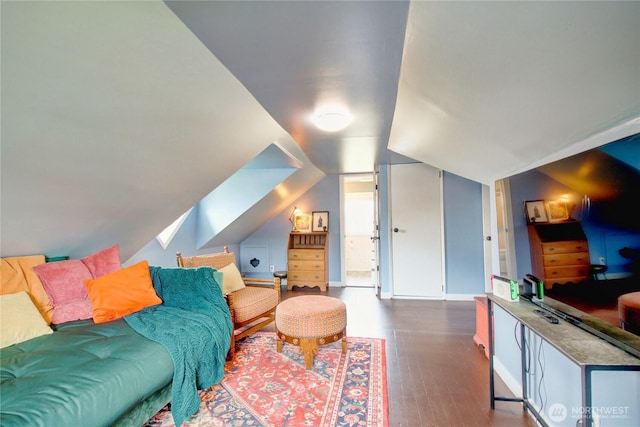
<point>310,321</point>
<point>629,312</point>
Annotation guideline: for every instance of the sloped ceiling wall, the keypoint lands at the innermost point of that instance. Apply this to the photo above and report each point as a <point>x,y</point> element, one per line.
<point>489,89</point>
<point>115,121</point>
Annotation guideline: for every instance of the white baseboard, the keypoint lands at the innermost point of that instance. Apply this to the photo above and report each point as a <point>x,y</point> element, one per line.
<point>386,295</point>
<point>459,297</point>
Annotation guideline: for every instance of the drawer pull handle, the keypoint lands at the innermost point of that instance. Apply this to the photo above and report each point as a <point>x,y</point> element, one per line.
<point>578,247</point>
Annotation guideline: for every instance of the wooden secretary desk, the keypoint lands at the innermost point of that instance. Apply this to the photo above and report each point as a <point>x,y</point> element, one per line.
<point>559,253</point>
<point>308,263</point>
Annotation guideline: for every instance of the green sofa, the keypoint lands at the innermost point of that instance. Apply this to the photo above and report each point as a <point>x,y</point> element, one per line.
<point>124,371</point>
<point>84,374</point>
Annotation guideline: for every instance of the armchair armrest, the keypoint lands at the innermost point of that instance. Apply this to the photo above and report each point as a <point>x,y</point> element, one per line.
<point>273,283</point>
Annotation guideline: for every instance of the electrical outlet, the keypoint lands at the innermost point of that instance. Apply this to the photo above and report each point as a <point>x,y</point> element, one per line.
<point>602,261</point>
<point>272,268</point>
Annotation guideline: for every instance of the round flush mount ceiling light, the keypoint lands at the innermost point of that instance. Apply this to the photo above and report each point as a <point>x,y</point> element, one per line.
<point>331,120</point>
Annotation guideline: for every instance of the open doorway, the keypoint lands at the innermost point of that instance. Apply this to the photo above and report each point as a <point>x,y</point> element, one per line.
<point>358,210</point>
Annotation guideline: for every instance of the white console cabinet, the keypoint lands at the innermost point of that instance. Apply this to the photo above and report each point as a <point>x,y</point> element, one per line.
<point>560,373</point>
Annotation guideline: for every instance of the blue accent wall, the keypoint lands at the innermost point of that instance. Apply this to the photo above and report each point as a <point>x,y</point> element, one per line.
<point>324,196</point>
<point>463,235</point>
<point>464,240</point>
<point>184,241</point>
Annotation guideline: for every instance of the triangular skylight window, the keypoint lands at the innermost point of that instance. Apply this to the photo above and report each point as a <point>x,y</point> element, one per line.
<point>165,237</point>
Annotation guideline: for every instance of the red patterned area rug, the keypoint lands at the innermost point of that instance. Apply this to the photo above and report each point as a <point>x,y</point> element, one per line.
<point>267,388</point>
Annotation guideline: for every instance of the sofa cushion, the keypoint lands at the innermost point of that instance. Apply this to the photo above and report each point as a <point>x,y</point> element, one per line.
<point>231,279</point>
<point>20,320</point>
<point>103,262</point>
<point>81,375</point>
<point>64,283</point>
<point>122,292</point>
<point>17,275</point>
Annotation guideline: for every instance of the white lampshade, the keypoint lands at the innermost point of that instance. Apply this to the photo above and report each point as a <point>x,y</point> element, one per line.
<point>332,121</point>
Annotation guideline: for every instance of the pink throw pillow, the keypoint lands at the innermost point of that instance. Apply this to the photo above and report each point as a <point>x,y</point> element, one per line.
<point>64,283</point>
<point>103,262</point>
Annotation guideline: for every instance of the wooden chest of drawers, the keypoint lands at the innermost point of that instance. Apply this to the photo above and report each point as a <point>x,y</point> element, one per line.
<point>559,253</point>
<point>307,263</point>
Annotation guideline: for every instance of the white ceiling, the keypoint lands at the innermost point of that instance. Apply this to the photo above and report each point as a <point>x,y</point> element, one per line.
<point>294,56</point>
<point>117,117</point>
<point>481,89</point>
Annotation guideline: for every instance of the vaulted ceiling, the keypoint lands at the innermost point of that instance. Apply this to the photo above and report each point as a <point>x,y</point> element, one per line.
<point>481,89</point>
<point>117,117</point>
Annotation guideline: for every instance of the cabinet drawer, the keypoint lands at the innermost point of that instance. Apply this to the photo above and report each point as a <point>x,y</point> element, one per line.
<point>575,258</point>
<point>295,265</point>
<point>565,247</point>
<point>568,271</point>
<point>306,254</point>
<point>302,276</point>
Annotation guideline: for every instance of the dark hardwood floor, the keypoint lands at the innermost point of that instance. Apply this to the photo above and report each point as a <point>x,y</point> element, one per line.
<point>436,374</point>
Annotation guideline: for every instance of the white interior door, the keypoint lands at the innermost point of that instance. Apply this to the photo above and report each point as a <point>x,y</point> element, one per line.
<point>416,231</point>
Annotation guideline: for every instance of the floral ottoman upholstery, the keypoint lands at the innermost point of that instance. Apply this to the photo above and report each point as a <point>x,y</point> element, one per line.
<point>310,321</point>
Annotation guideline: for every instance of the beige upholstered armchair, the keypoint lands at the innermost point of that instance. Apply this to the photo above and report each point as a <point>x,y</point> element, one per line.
<point>252,301</point>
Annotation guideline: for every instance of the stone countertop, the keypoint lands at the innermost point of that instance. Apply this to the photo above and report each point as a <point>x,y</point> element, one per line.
<point>580,346</point>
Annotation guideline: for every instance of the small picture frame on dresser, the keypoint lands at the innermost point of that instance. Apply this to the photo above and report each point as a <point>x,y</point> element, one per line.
<point>303,223</point>
<point>557,211</point>
<point>535,212</point>
<point>320,221</point>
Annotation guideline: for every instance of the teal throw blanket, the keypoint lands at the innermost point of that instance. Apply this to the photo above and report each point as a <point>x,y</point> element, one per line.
<point>194,324</point>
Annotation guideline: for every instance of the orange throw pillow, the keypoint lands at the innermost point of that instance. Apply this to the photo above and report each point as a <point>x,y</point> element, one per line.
<point>122,292</point>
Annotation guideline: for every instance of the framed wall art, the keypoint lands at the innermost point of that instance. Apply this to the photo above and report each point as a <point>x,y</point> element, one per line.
<point>535,211</point>
<point>320,221</point>
<point>303,222</point>
<point>557,211</point>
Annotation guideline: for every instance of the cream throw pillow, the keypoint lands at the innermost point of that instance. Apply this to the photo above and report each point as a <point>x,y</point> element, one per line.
<point>20,320</point>
<point>231,279</point>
